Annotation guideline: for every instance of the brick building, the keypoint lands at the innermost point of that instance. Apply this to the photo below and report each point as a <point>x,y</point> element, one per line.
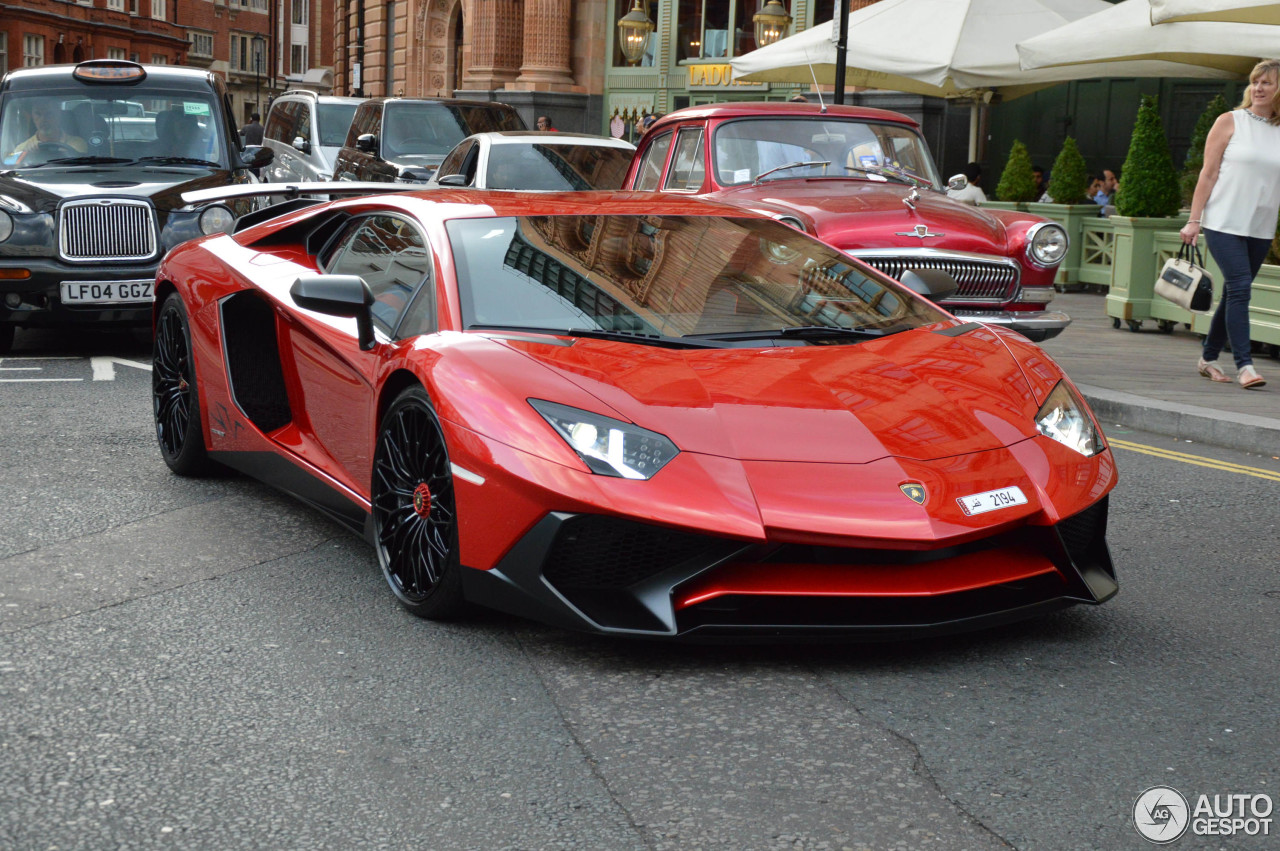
<point>260,47</point>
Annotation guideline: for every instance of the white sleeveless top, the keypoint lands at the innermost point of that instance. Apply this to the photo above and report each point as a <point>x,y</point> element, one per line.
<point>1246,198</point>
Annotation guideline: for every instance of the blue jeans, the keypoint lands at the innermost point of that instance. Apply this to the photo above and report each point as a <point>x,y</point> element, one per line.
<point>1239,258</point>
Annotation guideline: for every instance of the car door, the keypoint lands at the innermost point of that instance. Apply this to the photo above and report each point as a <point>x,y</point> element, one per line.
<point>337,379</point>
<point>461,160</point>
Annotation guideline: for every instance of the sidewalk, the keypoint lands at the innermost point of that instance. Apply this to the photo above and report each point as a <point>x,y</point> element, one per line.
<point>1147,380</point>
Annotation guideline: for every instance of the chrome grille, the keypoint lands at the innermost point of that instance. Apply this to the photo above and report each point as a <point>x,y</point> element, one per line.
<point>980,279</point>
<point>107,229</point>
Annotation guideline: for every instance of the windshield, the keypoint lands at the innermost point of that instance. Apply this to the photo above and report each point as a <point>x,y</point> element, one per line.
<point>40,128</point>
<point>334,120</point>
<point>820,147</point>
<point>673,276</point>
<point>430,130</point>
<point>557,167</point>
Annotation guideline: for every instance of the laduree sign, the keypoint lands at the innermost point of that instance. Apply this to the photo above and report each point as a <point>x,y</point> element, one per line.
<point>703,77</point>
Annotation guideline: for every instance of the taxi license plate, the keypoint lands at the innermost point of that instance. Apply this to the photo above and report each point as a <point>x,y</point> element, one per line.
<point>106,292</point>
<point>981,503</point>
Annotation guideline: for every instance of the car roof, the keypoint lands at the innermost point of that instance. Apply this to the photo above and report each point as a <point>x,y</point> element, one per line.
<point>316,96</point>
<point>549,137</point>
<point>161,76</point>
<point>446,101</point>
<point>752,109</point>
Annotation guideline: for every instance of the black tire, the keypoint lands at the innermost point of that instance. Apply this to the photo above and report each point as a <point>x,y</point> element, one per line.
<point>6,339</point>
<point>415,516</point>
<point>174,398</point>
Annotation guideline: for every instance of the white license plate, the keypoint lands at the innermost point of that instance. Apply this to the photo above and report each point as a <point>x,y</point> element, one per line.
<point>106,292</point>
<point>981,503</point>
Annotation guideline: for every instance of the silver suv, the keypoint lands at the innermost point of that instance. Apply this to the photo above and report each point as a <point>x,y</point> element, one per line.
<point>306,131</point>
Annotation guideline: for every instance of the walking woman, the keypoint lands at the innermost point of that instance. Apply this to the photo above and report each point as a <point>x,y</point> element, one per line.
<point>1236,202</point>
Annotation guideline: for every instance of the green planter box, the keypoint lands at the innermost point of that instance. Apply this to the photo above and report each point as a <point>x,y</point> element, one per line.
<point>1134,266</point>
<point>1264,304</point>
<point>1072,217</point>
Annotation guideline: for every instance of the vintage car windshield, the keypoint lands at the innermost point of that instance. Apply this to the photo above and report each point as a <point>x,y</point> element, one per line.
<point>428,131</point>
<point>557,167</point>
<point>670,276</point>
<point>829,146</point>
<point>43,128</point>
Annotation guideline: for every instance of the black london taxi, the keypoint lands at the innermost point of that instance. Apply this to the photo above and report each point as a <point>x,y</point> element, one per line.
<point>94,158</point>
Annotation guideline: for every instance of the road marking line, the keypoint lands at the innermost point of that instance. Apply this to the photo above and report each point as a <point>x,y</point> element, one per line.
<point>1197,460</point>
<point>20,380</point>
<point>21,368</point>
<point>104,367</point>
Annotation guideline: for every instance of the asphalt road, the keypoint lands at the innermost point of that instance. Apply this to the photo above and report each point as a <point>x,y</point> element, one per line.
<point>203,664</point>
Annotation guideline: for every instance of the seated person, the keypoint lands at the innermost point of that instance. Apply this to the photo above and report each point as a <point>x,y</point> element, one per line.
<point>46,115</point>
<point>179,135</point>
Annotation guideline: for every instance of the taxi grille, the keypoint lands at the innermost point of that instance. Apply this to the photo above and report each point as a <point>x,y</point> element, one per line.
<point>980,280</point>
<point>107,229</point>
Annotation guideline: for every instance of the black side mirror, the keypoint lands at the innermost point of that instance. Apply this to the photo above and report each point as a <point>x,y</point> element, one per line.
<point>367,143</point>
<point>257,156</point>
<point>933,284</point>
<point>338,295</point>
<point>302,145</point>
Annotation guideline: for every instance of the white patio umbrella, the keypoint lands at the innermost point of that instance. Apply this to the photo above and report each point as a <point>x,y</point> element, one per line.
<point>1124,33</point>
<point>1225,11</point>
<point>949,48</point>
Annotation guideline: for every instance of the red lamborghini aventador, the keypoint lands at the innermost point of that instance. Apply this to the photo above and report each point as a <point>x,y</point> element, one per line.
<point>634,415</point>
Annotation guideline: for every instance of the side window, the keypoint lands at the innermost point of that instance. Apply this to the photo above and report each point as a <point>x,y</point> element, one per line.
<point>687,169</point>
<point>452,163</point>
<point>302,127</point>
<point>276,124</point>
<point>649,173</point>
<point>390,253</point>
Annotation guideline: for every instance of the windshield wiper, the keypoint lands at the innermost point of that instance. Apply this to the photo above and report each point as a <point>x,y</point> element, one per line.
<point>889,174</point>
<point>762,175</point>
<point>89,160</point>
<point>604,334</point>
<point>177,161</point>
<point>811,332</point>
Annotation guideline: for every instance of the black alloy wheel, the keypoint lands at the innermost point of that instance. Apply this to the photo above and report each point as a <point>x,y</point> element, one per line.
<point>174,399</point>
<point>414,511</point>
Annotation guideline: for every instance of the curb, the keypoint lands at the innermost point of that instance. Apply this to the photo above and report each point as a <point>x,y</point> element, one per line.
<point>1246,432</point>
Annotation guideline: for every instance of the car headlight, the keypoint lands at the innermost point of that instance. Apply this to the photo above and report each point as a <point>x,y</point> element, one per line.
<point>216,219</point>
<point>609,447</point>
<point>1063,418</point>
<point>6,225</point>
<point>1047,244</point>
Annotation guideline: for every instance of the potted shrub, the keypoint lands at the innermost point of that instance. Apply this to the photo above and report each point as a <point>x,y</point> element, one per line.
<point>1146,202</point>
<point>1071,207</point>
<point>1017,185</point>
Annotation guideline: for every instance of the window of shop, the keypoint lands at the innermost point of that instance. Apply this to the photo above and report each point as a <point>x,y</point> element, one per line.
<point>715,29</point>
<point>115,53</point>
<point>201,45</point>
<point>297,59</point>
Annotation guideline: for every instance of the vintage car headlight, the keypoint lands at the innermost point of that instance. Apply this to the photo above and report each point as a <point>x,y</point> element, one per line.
<point>1046,244</point>
<point>216,219</point>
<point>1063,418</point>
<point>6,225</point>
<point>609,447</point>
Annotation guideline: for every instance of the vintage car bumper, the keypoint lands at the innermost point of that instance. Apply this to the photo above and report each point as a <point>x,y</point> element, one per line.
<point>1037,326</point>
<point>36,301</point>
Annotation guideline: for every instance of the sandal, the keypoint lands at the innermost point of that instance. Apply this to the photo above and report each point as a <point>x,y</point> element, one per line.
<point>1249,378</point>
<point>1209,369</point>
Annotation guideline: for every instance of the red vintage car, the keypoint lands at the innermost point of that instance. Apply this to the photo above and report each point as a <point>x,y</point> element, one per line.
<point>636,415</point>
<point>861,180</point>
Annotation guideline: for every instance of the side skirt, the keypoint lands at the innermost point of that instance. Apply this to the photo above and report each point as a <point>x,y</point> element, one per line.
<point>283,474</point>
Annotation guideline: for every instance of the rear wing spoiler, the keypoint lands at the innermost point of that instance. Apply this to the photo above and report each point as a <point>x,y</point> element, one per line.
<point>290,191</point>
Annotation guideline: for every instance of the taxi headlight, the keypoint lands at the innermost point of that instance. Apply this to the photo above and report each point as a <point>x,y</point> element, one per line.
<point>1063,417</point>
<point>6,225</point>
<point>609,447</point>
<point>1047,244</point>
<point>216,219</point>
